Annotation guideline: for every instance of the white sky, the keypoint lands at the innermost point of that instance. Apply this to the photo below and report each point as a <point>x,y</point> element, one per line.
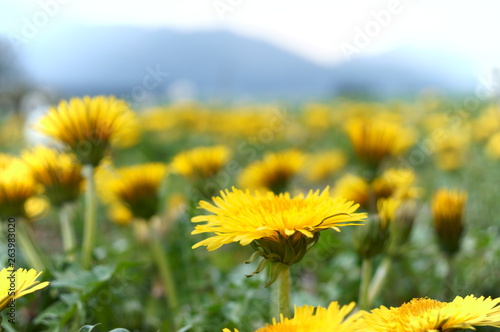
<point>312,28</point>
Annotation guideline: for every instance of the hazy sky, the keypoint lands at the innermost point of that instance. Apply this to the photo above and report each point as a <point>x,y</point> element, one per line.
<point>316,29</point>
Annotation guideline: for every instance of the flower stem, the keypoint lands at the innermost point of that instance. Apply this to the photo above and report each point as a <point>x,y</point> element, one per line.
<point>67,232</point>
<point>379,279</point>
<point>448,281</point>
<point>33,255</point>
<point>89,230</point>
<point>366,272</point>
<point>284,292</point>
<point>165,272</point>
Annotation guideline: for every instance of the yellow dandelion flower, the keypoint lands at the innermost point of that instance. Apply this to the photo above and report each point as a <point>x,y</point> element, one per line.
<point>353,188</point>
<point>387,208</point>
<point>401,224</point>
<point>424,315</point>
<point>487,123</point>
<point>135,187</point>
<point>202,162</point>
<point>493,147</point>
<point>321,166</point>
<point>36,207</point>
<point>59,173</point>
<point>374,139</point>
<point>448,215</point>
<point>371,239</point>
<point>17,283</point>
<point>120,214</point>
<point>451,149</point>
<point>274,172</point>
<point>318,117</point>
<point>17,186</point>
<point>316,319</point>
<point>280,228</point>
<point>88,126</point>
<point>398,183</point>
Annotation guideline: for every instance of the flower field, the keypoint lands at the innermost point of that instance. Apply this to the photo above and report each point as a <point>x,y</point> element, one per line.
<point>342,215</point>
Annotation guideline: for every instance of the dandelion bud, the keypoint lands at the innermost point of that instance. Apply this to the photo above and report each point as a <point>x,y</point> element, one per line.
<point>402,225</point>
<point>370,240</point>
<point>448,217</point>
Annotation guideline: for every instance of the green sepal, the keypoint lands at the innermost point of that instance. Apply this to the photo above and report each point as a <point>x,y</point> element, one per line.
<point>262,265</point>
<point>253,257</point>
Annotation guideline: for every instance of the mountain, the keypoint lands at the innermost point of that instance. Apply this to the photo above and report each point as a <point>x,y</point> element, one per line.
<point>118,59</point>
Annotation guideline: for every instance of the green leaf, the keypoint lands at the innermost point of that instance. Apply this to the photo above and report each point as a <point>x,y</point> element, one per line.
<point>87,328</point>
<point>119,330</point>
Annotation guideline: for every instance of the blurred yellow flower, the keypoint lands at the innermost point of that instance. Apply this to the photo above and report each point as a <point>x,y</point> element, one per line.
<point>322,165</point>
<point>424,315</point>
<point>493,147</point>
<point>316,319</point>
<point>318,117</point>
<point>398,183</point>
<point>17,283</point>
<point>375,139</point>
<point>387,208</point>
<point>120,214</point>
<point>451,149</point>
<point>448,215</point>
<point>136,188</point>
<point>17,186</point>
<point>59,173</point>
<point>352,188</point>
<point>487,123</point>
<point>202,162</point>
<point>274,172</point>
<point>88,126</point>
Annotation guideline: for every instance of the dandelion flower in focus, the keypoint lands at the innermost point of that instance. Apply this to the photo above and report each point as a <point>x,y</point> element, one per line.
<point>424,315</point>
<point>280,228</point>
<point>274,172</point>
<point>374,139</point>
<point>25,283</point>
<point>201,163</point>
<point>316,319</point>
<point>59,173</point>
<point>136,188</point>
<point>89,126</point>
<point>448,215</point>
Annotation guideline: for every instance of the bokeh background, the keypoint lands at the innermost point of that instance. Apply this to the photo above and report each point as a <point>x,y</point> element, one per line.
<point>238,50</point>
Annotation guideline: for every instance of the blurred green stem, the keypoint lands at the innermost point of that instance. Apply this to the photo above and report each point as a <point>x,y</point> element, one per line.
<point>448,280</point>
<point>379,279</point>
<point>284,292</point>
<point>67,232</point>
<point>89,229</point>
<point>366,273</point>
<point>33,254</point>
<point>163,263</point>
